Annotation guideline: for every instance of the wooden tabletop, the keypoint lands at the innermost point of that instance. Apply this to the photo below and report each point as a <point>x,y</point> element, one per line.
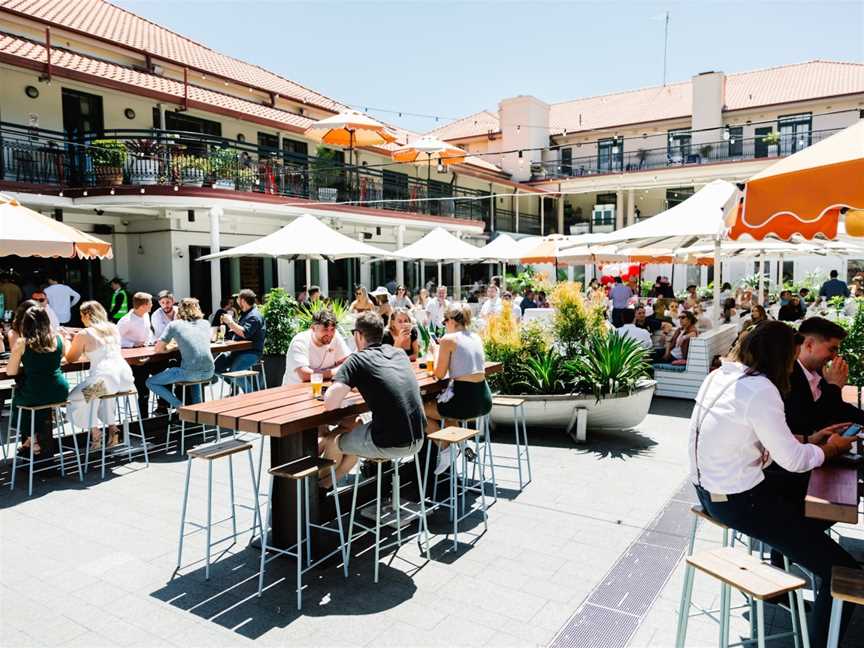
<point>833,494</point>
<point>142,355</point>
<point>282,411</point>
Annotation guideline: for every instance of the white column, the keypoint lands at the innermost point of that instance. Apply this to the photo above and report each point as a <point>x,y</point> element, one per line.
<point>560,212</point>
<point>308,272</point>
<point>215,214</point>
<point>457,279</point>
<point>542,215</point>
<point>516,208</point>
<point>285,270</point>
<point>400,265</point>
<point>703,275</point>
<point>422,274</point>
<point>323,277</point>
<point>631,207</point>
<point>570,270</point>
<point>619,209</point>
<point>759,299</point>
<point>440,274</point>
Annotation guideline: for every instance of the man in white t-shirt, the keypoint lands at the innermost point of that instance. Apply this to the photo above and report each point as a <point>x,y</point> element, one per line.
<point>61,298</point>
<point>629,329</point>
<point>436,307</point>
<point>318,350</point>
<point>135,331</point>
<point>492,305</point>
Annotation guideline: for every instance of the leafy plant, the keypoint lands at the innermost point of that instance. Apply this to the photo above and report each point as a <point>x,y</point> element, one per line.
<point>608,365</point>
<point>838,303</point>
<point>852,348</point>
<point>246,177</point>
<point>145,148</point>
<point>223,163</point>
<point>546,373</point>
<point>571,319</point>
<point>425,338</point>
<point>325,171</point>
<point>280,315</point>
<point>305,314</point>
<point>771,138</point>
<point>108,153</point>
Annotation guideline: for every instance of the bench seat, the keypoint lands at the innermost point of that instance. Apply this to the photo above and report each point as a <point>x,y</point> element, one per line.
<point>683,381</point>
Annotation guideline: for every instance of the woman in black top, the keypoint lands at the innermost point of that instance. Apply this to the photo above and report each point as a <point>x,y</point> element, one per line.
<point>402,333</point>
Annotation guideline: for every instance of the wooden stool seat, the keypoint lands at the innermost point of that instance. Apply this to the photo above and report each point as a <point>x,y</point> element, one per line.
<point>452,435</point>
<point>745,573</point>
<point>300,468</point>
<point>847,585</point>
<point>246,373</point>
<point>219,450</point>
<point>188,383</point>
<point>39,408</point>
<point>702,513</point>
<point>119,394</point>
<point>504,401</point>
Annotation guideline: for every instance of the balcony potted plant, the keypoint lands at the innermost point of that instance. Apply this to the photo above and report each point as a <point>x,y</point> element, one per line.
<point>144,160</point>
<point>247,179</point>
<point>705,152</point>
<point>772,141</point>
<point>108,157</point>
<point>191,169</point>
<point>223,167</point>
<point>326,177</point>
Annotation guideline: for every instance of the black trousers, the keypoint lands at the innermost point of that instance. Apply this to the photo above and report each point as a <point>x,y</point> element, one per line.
<point>778,520</point>
<point>140,374</point>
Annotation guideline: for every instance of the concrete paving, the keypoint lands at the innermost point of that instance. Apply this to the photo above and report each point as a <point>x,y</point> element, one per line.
<point>92,564</point>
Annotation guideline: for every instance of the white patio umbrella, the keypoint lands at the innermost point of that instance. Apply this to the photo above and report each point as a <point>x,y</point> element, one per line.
<point>503,248</point>
<point>440,246</point>
<point>306,238</point>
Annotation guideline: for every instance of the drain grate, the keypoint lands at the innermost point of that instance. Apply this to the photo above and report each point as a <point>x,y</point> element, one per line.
<point>612,612</point>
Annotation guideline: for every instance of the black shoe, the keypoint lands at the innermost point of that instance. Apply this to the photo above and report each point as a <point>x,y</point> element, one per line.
<point>470,455</point>
<point>368,470</point>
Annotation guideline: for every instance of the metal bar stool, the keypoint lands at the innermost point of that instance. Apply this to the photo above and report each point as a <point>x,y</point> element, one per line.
<point>8,438</point>
<point>749,575</point>
<point>519,421</point>
<point>454,436</point>
<point>251,381</point>
<point>209,453</point>
<point>299,471</point>
<point>125,416</point>
<point>55,410</point>
<point>184,386</point>
<point>398,508</point>
<point>847,586</point>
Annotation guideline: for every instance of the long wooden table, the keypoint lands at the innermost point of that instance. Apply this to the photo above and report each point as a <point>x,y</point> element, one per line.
<point>833,494</point>
<point>291,417</point>
<point>143,355</point>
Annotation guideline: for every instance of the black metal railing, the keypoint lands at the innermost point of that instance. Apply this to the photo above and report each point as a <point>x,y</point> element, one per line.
<point>678,155</point>
<point>184,159</point>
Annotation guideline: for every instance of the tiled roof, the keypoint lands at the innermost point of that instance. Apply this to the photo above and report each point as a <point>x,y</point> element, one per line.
<point>104,20</point>
<point>479,123</point>
<point>784,84</point>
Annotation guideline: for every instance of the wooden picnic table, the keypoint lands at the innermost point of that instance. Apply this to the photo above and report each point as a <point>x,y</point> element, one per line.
<point>142,355</point>
<point>291,417</point>
<point>833,494</point>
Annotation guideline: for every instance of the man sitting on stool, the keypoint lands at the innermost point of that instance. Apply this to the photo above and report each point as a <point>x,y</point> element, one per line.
<point>384,377</point>
<point>251,328</point>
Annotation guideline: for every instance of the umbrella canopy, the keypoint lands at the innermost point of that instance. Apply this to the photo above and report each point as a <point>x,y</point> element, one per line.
<point>769,249</point>
<point>441,245</point>
<point>805,192</point>
<point>306,237</point>
<point>426,149</point>
<point>551,249</point>
<point>350,129</point>
<point>26,233</point>
<point>503,248</point>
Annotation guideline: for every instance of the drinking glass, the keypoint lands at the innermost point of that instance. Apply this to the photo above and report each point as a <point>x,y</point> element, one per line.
<point>316,381</point>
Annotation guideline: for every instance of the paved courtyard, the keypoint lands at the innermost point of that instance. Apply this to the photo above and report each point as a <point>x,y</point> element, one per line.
<point>92,564</point>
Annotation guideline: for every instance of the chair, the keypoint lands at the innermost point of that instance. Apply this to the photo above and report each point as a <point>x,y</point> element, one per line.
<point>397,510</point>
<point>55,410</point>
<point>454,436</point>
<point>210,453</point>
<point>847,586</point>
<point>299,471</point>
<point>125,399</point>
<point>517,406</point>
<point>184,386</point>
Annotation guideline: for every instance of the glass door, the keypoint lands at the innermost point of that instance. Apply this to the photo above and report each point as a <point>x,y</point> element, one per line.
<point>794,133</point>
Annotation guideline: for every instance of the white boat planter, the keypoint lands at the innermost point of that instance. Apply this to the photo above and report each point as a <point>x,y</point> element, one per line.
<point>617,412</point>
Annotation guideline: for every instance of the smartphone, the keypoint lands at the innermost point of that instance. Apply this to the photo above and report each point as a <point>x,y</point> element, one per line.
<point>852,430</point>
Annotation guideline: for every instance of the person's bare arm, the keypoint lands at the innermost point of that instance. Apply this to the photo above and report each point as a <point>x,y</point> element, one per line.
<point>161,347</point>
<point>15,357</point>
<point>445,350</point>
<point>335,395</point>
<point>76,349</point>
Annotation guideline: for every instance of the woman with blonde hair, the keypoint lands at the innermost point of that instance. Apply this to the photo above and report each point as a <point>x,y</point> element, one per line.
<point>109,374</point>
<point>402,333</point>
<point>361,303</point>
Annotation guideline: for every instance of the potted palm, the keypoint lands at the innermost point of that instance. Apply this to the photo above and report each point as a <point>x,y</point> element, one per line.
<point>280,316</point>
<point>143,160</point>
<point>108,157</point>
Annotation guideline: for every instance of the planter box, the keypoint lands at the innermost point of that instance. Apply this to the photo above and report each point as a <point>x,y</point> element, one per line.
<point>222,183</point>
<point>192,178</point>
<point>616,412</point>
<point>274,369</point>
<point>108,176</point>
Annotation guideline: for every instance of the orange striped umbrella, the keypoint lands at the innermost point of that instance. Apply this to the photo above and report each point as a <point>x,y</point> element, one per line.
<point>350,129</point>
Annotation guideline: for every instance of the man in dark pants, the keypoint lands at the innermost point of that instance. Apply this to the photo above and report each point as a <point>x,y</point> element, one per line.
<point>249,327</point>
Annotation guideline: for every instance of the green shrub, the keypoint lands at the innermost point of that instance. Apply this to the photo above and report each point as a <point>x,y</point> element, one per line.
<point>339,308</point>
<point>852,348</point>
<point>609,364</point>
<point>546,373</point>
<point>108,153</point>
<point>280,315</point>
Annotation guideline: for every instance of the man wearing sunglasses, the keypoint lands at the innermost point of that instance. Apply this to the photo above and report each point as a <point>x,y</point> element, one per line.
<point>320,349</point>
<point>42,299</point>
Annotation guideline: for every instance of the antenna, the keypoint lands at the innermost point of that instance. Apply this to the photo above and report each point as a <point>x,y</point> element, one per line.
<point>665,47</point>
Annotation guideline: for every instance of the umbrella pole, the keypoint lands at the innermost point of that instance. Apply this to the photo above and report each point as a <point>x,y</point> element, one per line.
<point>440,275</point>
<point>716,315</point>
<point>308,272</point>
<point>760,299</point>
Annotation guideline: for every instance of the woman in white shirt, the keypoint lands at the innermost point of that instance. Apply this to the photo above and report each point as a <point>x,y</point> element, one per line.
<point>738,427</point>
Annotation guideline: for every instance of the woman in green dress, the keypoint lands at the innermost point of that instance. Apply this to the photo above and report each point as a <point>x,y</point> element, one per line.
<point>37,355</point>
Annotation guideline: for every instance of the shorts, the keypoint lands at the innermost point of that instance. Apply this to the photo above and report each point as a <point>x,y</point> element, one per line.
<point>359,442</point>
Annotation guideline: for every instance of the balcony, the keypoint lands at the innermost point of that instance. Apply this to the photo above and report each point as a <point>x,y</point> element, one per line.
<point>132,158</point>
<point>677,156</point>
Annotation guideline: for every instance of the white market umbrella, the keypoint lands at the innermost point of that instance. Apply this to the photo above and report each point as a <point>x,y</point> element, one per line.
<point>27,233</point>
<point>503,248</point>
<point>440,246</point>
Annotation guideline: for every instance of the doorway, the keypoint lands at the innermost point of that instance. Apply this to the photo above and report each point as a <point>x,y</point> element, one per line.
<point>760,148</point>
<point>82,120</point>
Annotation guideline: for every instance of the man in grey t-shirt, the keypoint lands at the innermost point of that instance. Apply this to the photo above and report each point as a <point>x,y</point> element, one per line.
<point>191,332</point>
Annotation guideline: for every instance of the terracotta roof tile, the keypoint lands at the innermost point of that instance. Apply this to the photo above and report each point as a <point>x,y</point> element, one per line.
<point>479,123</point>
<point>104,20</point>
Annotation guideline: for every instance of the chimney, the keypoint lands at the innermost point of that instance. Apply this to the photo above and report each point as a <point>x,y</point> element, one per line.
<point>709,97</point>
<point>524,126</point>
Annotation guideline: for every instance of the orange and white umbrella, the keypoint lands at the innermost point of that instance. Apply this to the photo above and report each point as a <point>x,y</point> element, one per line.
<point>426,149</point>
<point>26,233</point>
<point>350,129</point>
<point>805,193</point>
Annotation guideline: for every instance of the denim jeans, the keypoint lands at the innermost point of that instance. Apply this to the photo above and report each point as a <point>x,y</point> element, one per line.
<point>237,361</point>
<point>158,384</point>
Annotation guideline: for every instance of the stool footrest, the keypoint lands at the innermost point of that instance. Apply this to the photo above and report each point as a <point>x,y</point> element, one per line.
<point>219,450</point>
<point>302,467</point>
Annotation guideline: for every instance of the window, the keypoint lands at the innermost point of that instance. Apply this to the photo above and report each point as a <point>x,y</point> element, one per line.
<point>736,141</point>
<point>610,154</point>
<point>678,145</point>
<point>794,132</point>
<point>189,124</point>
<point>677,195</point>
<point>395,188</point>
<point>440,190</point>
<point>566,161</point>
<point>267,143</point>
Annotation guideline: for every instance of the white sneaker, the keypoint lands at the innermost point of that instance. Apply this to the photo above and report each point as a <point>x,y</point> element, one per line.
<point>443,464</point>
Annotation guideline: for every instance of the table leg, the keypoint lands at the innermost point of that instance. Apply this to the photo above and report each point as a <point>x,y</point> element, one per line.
<point>282,450</point>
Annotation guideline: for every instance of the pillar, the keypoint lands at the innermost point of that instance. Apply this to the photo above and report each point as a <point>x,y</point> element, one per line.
<point>631,207</point>
<point>215,214</point>
<point>560,212</point>
<point>285,272</point>
<point>324,276</point>
<point>457,279</point>
<point>542,205</point>
<point>400,265</point>
<point>234,264</point>
<point>619,209</point>
<point>516,209</point>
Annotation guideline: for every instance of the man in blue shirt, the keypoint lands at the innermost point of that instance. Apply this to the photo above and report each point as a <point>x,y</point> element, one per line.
<point>834,287</point>
<point>620,296</point>
<point>249,327</point>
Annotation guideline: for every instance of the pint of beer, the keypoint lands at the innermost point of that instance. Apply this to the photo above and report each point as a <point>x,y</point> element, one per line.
<point>430,364</point>
<point>316,381</point>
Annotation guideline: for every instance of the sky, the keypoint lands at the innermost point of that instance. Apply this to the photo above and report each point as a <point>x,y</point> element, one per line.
<point>452,58</point>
